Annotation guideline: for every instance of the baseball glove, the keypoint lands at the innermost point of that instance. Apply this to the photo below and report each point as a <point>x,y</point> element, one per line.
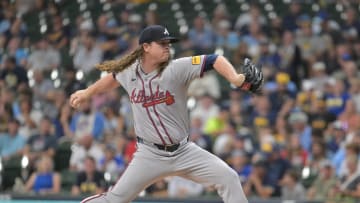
<point>253,77</point>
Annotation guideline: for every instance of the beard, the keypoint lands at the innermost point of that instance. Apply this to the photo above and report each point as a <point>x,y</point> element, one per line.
<point>164,64</point>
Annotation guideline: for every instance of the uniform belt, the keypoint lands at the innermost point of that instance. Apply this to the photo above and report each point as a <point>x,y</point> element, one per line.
<point>167,148</point>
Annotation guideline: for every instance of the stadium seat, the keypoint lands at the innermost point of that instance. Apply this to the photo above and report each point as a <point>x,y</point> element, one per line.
<point>68,178</point>
<point>62,156</point>
<point>11,170</point>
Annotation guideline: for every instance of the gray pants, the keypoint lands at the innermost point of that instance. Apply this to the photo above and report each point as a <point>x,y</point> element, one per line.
<point>189,161</point>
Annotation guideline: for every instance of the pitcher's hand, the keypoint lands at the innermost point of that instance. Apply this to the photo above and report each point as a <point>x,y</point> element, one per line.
<point>78,97</point>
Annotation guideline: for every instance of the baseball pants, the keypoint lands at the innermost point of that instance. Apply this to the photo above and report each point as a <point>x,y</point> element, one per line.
<point>150,164</point>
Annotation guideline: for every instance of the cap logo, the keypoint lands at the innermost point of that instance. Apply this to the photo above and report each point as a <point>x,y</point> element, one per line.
<point>166,32</point>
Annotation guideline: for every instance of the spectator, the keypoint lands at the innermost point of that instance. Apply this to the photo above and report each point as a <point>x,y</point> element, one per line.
<point>299,125</point>
<point>28,117</point>
<point>351,25</point>
<point>283,95</point>
<point>44,57</point>
<point>244,141</point>
<point>319,77</point>
<point>15,49</point>
<point>41,144</point>
<point>151,18</point>
<point>11,143</point>
<point>319,118</point>
<point>42,89</point>
<point>352,149</point>
<point>337,97</point>
<point>350,117</point>
<point>6,20</point>
<point>206,108</point>
<point>348,188</point>
<point>71,84</point>
<point>220,13</point>
<point>12,75</point>
<point>63,121</point>
<point>317,155</point>
<point>311,45</point>
<point>263,115</point>
<point>89,181</point>
<point>320,189</point>
<point>276,168</point>
<point>291,59</point>
<point>245,20</point>
<point>218,125</point>
<point>239,162</point>
<point>268,58</point>
<point>86,146</point>
<point>225,38</point>
<point>291,16</point>
<point>291,188</point>
<point>240,53</point>
<point>296,154</point>
<point>112,163</point>
<point>209,84</point>
<point>199,138</point>
<point>6,107</point>
<point>114,122</point>
<point>338,142</point>
<point>201,36</point>
<point>44,180</point>
<point>253,38</point>
<point>258,184</point>
<point>86,122</point>
<point>354,91</point>
<point>59,35</point>
<point>89,50</point>
<point>223,143</point>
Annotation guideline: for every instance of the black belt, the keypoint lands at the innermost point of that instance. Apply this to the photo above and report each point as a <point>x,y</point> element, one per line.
<point>167,148</point>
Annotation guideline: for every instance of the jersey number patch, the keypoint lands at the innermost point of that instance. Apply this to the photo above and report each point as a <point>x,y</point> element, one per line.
<point>195,60</point>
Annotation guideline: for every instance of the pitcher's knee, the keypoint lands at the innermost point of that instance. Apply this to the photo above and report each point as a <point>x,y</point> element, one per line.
<point>231,178</point>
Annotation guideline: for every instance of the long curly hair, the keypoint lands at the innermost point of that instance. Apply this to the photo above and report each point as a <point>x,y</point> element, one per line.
<point>116,66</point>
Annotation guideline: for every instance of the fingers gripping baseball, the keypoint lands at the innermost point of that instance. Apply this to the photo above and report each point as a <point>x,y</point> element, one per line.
<point>254,77</point>
<point>77,98</point>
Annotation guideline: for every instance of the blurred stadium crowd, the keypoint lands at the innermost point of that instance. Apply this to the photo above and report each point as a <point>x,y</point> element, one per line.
<point>298,139</point>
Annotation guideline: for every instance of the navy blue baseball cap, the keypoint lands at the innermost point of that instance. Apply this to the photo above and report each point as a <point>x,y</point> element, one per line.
<point>156,33</point>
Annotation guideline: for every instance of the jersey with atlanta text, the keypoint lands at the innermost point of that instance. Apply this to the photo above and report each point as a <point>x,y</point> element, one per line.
<point>159,100</point>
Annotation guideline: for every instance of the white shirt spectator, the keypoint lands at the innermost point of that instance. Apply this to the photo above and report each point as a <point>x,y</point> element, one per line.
<point>44,58</point>
<point>208,84</point>
<point>87,55</point>
<point>79,154</point>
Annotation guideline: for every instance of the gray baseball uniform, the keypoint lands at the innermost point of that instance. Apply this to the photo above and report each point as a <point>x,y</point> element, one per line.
<point>161,117</point>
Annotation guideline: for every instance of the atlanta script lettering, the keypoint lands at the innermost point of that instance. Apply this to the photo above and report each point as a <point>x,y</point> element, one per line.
<point>158,97</point>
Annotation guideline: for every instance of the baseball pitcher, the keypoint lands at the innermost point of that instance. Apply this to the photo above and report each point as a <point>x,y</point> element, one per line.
<point>157,88</point>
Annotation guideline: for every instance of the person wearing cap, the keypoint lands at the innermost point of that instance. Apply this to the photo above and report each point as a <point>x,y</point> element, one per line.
<point>298,121</point>
<point>258,183</point>
<point>324,182</point>
<point>157,89</point>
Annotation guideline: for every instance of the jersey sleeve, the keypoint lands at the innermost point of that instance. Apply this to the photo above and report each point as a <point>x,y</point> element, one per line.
<point>189,68</point>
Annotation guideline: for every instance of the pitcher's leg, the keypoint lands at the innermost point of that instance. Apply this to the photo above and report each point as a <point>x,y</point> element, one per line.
<point>144,169</point>
<point>203,167</point>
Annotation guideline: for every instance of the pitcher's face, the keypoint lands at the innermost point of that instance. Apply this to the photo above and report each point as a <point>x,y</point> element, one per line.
<point>158,50</point>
